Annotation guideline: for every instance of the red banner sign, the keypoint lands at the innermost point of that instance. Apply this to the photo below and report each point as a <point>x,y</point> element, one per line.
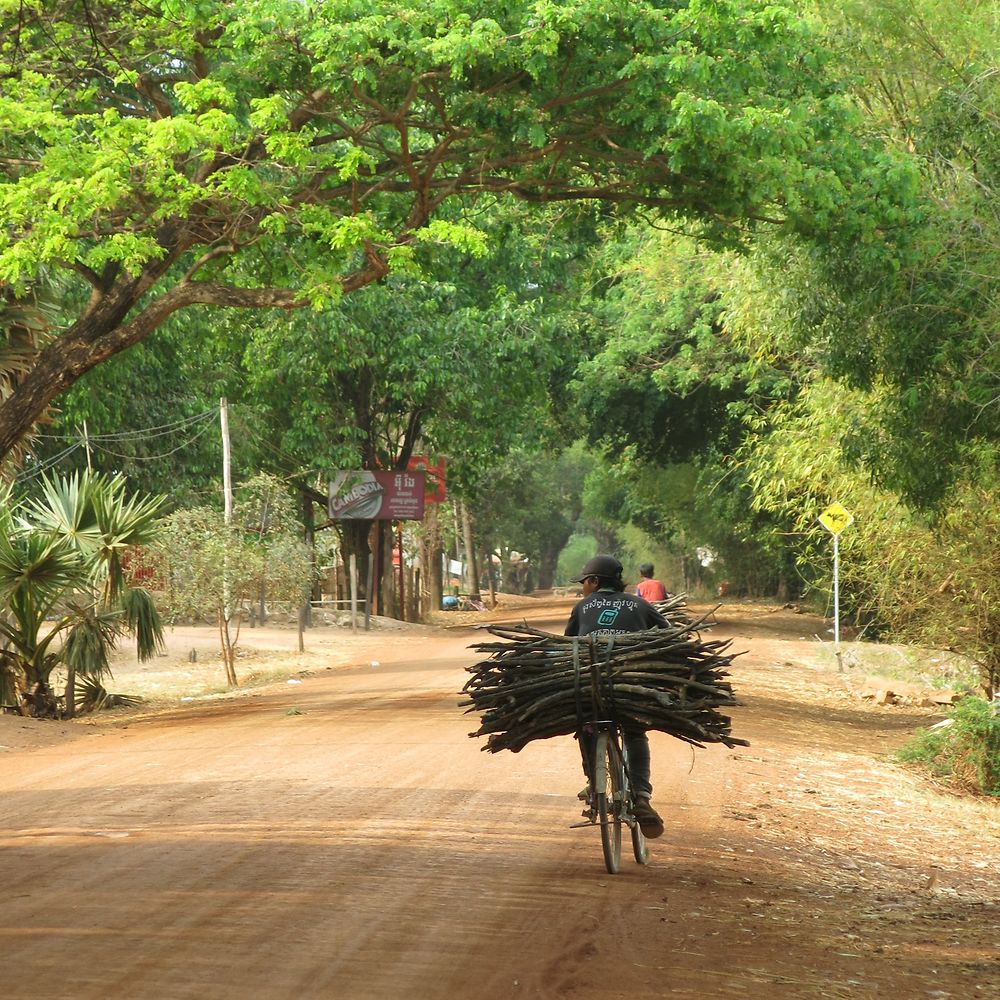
<point>376,496</point>
<point>433,469</point>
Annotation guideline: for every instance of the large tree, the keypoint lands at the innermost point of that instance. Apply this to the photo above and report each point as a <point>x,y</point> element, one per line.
<point>279,153</point>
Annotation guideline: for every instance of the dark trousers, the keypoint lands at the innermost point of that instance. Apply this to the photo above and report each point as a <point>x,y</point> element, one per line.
<point>637,748</point>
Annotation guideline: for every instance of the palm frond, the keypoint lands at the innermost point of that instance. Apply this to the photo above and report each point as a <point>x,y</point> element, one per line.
<point>143,621</point>
<point>92,511</point>
<point>65,509</point>
<point>92,696</point>
<point>33,563</point>
<point>91,639</point>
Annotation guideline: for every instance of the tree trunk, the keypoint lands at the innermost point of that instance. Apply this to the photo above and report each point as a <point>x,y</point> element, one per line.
<point>432,557</point>
<point>470,550</point>
<point>69,694</point>
<point>357,542</point>
<point>490,576</point>
<point>102,331</point>
<point>548,560</point>
<point>387,578</point>
<point>228,649</point>
<point>309,537</point>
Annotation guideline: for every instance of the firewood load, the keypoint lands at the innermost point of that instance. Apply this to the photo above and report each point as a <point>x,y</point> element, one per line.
<point>674,608</point>
<point>535,685</point>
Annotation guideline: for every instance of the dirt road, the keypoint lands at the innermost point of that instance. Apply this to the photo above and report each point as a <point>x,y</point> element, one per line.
<point>343,838</point>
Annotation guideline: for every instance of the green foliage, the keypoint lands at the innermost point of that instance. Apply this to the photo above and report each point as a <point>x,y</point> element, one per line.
<point>529,502</point>
<point>915,330</point>
<point>150,414</point>
<point>668,397</point>
<point>660,384</point>
<point>935,583</point>
<point>216,569</point>
<point>916,577</point>
<point>965,752</point>
<point>577,550</point>
<point>63,582</point>
<point>284,154</point>
<point>207,565</point>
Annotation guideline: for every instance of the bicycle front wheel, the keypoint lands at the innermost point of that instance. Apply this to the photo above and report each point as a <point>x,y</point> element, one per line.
<point>609,782</point>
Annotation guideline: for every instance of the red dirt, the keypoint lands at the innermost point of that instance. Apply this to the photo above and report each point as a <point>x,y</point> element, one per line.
<point>343,838</point>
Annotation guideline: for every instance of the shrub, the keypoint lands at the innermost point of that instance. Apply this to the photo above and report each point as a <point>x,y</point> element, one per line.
<point>965,752</point>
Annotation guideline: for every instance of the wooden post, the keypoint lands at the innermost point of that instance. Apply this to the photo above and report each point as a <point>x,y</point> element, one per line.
<point>376,564</point>
<point>354,592</point>
<point>86,441</point>
<point>371,590</point>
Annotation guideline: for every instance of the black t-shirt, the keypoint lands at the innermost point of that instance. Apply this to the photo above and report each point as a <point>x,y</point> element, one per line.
<point>610,612</point>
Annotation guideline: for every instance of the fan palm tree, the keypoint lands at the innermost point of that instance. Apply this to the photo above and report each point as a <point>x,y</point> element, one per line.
<point>64,588</point>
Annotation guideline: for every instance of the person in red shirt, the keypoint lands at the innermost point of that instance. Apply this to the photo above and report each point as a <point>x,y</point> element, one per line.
<point>647,588</point>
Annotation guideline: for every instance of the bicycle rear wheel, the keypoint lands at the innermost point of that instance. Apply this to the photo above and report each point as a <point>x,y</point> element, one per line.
<point>609,782</point>
<point>640,849</point>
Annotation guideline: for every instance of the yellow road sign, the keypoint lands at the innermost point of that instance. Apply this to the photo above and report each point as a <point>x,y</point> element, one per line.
<point>835,518</point>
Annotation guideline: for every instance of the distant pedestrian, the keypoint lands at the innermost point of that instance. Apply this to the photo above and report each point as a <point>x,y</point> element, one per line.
<point>648,588</point>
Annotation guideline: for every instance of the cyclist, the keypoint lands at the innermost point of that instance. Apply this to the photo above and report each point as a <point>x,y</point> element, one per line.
<point>648,588</point>
<point>607,610</point>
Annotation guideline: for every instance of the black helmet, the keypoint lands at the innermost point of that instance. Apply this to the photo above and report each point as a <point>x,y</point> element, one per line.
<point>605,567</point>
<point>646,569</point>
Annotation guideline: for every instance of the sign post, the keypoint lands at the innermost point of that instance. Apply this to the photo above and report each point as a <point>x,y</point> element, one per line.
<point>835,518</point>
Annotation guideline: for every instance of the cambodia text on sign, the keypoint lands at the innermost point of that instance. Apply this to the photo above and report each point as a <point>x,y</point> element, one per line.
<point>382,496</point>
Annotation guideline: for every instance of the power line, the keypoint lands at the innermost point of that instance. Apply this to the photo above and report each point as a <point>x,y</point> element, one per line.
<point>37,470</point>
<point>149,458</point>
<point>145,432</point>
<point>152,432</point>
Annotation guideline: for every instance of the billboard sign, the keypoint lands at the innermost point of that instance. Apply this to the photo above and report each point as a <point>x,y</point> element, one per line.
<point>434,470</point>
<point>376,496</point>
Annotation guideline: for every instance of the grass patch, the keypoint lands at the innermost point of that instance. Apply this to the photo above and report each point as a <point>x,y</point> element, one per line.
<point>965,751</point>
<point>931,668</point>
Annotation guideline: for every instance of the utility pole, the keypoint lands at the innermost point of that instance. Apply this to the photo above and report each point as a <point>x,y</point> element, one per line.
<point>227,479</point>
<point>227,490</point>
<point>86,444</point>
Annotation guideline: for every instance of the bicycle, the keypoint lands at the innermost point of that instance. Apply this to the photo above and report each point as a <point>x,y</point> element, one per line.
<point>609,797</point>
<point>610,800</point>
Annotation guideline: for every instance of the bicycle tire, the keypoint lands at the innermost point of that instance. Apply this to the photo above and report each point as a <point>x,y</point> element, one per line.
<point>609,780</point>
<point>640,847</point>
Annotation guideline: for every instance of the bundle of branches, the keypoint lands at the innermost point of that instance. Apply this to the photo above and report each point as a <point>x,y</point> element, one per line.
<point>674,608</point>
<point>535,685</point>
